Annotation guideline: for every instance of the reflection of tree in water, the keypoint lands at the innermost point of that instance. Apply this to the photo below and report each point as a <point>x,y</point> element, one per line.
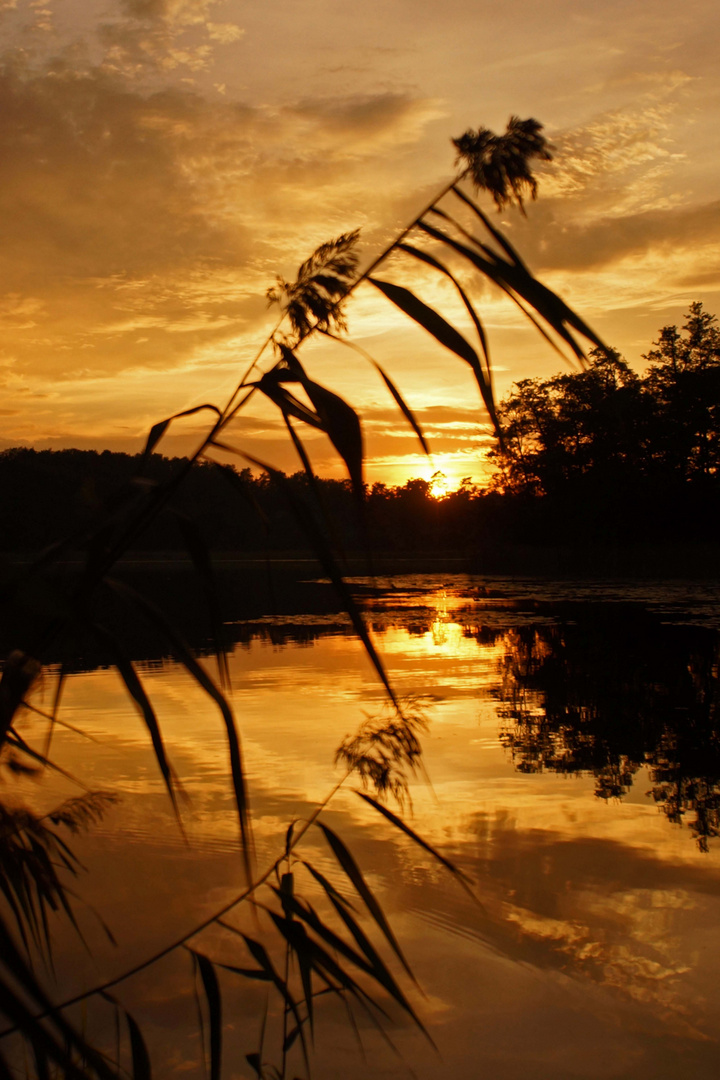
<point>615,691</point>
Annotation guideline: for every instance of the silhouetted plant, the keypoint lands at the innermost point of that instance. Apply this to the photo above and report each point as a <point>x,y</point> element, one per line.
<point>501,164</point>
<point>315,299</point>
<point>337,957</point>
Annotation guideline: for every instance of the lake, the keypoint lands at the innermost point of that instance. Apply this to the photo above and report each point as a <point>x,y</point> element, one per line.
<point>571,770</point>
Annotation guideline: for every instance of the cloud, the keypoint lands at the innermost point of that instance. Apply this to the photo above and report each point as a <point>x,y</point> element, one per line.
<point>145,212</point>
<point>576,245</point>
<point>155,37</point>
<point>363,124</point>
<point>161,211</point>
<point>225,33</point>
<point>617,160</point>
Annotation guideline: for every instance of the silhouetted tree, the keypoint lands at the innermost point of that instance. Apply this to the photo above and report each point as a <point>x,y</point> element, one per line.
<point>606,453</point>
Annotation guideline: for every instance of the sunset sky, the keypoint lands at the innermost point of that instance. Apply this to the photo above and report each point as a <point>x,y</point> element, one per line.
<point>163,160</point>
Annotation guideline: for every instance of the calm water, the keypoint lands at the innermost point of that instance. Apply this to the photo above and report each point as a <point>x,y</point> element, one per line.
<point>573,772</point>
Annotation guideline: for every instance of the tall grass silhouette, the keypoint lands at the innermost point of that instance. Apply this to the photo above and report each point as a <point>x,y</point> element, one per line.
<point>327,953</point>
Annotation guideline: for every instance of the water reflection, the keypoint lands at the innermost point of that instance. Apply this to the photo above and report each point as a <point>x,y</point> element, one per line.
<point>609,693</point>
<point>597,937</point>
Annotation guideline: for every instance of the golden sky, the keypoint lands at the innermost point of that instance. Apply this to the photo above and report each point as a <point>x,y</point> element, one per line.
<point>163,160</point>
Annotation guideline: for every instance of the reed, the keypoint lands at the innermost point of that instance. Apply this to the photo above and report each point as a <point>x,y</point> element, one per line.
<point>327,954</point>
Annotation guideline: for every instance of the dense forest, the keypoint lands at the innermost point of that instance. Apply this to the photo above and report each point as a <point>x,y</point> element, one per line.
<point>600,456</point>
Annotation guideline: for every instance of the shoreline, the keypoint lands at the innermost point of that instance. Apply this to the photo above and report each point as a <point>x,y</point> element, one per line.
<point>641,561</point>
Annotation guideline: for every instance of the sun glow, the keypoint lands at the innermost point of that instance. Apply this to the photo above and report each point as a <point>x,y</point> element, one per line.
<point>444,472</point>
<point>438,485</point>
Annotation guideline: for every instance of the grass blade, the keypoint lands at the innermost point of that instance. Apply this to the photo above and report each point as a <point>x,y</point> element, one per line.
<point>214,1001</point>
<point>182,651</point>
<point>404,407</point>
<point>444,333</point>
<point>141,1067</point>
<point>325,556</point>
<point>464,880</point>
<point>352,871</point>
<point>137,692</point>
<point>158,430</point>
<point>426,257</point>
<point>429,319</point>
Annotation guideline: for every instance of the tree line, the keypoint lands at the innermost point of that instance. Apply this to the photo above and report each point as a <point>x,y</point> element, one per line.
<point>596,456</point>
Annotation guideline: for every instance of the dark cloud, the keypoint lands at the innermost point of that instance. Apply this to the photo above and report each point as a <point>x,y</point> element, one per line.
<point>366,116</point>
<point>554,244</point>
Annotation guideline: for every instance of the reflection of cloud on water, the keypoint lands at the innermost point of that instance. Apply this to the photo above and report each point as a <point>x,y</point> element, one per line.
<point>639,964</point>
<point>598,936</point>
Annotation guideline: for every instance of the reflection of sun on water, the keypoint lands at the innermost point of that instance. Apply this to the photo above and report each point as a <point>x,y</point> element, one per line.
<point>441,637</point>
<point>580,890</point>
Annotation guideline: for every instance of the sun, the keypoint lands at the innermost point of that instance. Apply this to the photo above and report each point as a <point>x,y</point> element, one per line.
<point>438,485</point>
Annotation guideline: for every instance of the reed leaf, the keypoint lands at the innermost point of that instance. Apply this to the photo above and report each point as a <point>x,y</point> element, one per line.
<point>287,402</point>
<point>322,550</point>
<point>255,1063</point>
<point>496,234</point>
<point>214,1002</point>
<point>435,324</point>
<point>353,873</point>
<point>426,257</point>
<point>260,955</point>
<point>381,973</point>
<point>248,973</point>
<point>158,430</point>
<point>342,426</point>
<point>404,407</point>
<point>328,886</point>
<point>289,905</point>
<point>289,838</point>
<point>294,907</point>
<point>32,1027</point>
<point>304,458</point>
<point>13,739</point>
<point>464,880</point>
<point>514,279</point>
<point>444,333</point>
<point>141,1067</point>
<point>370,961</point>
<point>61,1052</point>
<point>59,686</point>
<point>339,421</point>
<point>519,277</point>
<point>186,658</point>
<point>318,957</point>
<point>137,692</point>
